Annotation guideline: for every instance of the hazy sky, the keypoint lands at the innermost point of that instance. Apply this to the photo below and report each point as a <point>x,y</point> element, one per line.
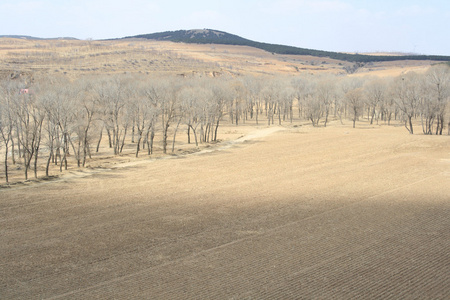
<point>336,25</point>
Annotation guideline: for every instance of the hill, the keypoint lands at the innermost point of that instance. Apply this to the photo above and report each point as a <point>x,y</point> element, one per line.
<point>209,36</point>
<point>27,37</point>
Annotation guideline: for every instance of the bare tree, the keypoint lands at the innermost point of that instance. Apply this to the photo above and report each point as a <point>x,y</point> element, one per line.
<point>346,85</point>
<point>166,91</point>
<point>315,97</point>
<point>406,92</point>
<point>143,107</point>
<point>49,102</point>
<point>435,98</point>
<point>112,93</point>
<point>287,97</point>
<point>189,103</point>
<point>271,96</point>
<point>303,89</point>
<point>208,113</point>
<point>354,99</point>
<point>8,91</point>
<point>220,97</point>
<point>253,86</point>
<point>168,107</point>
<point>238,103</point>
<point>185,93</point>
<point>387,105</point>
<point>83,112</point>
<point>375,94</point>
<point>60,109</point>
<point>5,134</point>
<point>30,116</point>
<point>339,103</point>
<point>154,91</point>
<point>325,91</point>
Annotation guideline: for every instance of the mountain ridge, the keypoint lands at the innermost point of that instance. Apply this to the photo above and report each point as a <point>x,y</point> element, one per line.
<point>212,36</point>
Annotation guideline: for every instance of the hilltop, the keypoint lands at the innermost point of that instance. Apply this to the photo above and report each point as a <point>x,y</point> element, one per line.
<point>210,36</point>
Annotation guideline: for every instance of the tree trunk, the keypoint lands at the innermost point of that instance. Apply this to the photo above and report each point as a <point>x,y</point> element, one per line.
<point>195,136</point>
<point>12,150</point>
<point>26,166</point>
<point>6,157</point>
<point>99,140</point>
<point>206,138</point>
<point>411,125</point>
<point>408,125</point>
<point>165,129</point>
<point>217,127</point>
<point>109,137</point>
<point>18,140</point>
<point>132,131</point>
<point>6,163</point>
<point>47,167</point>
<point>123,139</point>
<point>35,161</point>
<point>152,136</point>
<point>175,135</point>
<point>189,134</point>
<point>58,148</point>
<point>279,115</point>
<point>65,152</point>
<point>138,146</point>
<point>373,115</point>
<point>442,125</point>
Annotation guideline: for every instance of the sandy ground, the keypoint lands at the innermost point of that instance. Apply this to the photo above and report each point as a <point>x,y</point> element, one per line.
<point>287,213</point>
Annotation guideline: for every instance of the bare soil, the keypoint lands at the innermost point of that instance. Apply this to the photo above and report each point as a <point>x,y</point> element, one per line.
<point>286,213</point>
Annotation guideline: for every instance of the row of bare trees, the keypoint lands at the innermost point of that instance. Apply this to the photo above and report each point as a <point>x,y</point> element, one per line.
<point>70,118</point>
<point>407,97</point>
<point>53,118</point>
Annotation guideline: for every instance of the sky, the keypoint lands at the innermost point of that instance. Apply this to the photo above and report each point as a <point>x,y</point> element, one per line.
<point>408,26</point>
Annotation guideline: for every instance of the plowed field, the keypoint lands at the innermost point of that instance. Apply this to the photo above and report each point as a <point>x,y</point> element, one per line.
<point>299,213</point>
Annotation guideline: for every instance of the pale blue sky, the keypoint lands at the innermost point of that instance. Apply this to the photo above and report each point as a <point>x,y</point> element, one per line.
<point>335,25</point>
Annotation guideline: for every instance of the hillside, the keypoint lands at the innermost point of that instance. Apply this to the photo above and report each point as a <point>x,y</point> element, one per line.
<point>78,57</point>
<point>209,36</point>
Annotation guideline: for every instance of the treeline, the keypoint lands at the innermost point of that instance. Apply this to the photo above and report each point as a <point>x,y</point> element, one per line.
<point>45,120</point>
<point>290,50</point>
<point>404,98</point>
<point>209,36</point>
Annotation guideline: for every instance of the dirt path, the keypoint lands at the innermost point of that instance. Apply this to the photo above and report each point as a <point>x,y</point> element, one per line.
<point>301,213</point>
<point>112,164</point>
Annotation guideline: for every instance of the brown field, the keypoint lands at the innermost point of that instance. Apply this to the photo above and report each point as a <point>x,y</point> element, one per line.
<point>280,212</point>
<point>285,213</point>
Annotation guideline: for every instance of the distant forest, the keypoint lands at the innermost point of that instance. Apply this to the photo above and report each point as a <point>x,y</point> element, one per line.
<point>209,36</point>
